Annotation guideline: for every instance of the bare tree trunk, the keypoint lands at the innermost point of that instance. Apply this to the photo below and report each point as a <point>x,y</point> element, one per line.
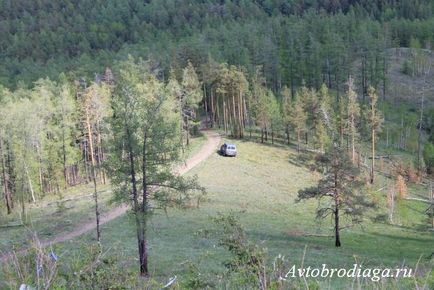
<point>419,136</point>
<point>235,121</point>
<point>205,106</point>
<point>298,140</point>
<point>337,226</point>
<point>353,148</point>
<point>64,157</point>
<point>373,157</point>
<point>240,115</point>
<point>364,87</point>
<point>41,179</point>
<point>224,117</point>
<point>30,182</point>
<point>266,134</point>
<point>23,205</point>
<point>391,200</point>
<point>287,134</point>
<point>432,204</point>
<point>143,255</point>
<point>384,77</point>
<point>6,191</point>
<point>95,192</point>
<point>212,110</point>
<point>100,154</point>
<point>187,124</point>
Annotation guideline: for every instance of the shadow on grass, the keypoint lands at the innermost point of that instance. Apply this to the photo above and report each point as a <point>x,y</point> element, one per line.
<point>384,220</point>
<point>301,159</point>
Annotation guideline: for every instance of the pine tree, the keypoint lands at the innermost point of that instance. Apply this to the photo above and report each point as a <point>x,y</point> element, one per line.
<point>341,184</point>
<point>191,96</point>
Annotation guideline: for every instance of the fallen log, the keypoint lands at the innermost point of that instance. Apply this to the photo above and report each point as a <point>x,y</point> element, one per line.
<point>419,199</point>
<point>12,225</point>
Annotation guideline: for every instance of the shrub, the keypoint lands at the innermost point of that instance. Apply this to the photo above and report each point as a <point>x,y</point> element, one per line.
<point>401,187</point>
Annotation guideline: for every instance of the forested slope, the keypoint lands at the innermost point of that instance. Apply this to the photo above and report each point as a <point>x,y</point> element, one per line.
<point>295,41</point>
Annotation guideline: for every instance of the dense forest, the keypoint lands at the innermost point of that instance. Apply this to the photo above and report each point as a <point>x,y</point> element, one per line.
<point>97,92</point>
<point>296,41</point>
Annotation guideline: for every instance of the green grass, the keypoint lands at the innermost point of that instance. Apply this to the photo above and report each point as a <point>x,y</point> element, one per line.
<point>47,219</point>
<point>262,183</point>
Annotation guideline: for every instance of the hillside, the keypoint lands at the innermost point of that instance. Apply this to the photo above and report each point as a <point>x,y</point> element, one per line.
<point>260,186</point>
<point>328,106</point>
<point>46,38</point>
<point>406,88</point>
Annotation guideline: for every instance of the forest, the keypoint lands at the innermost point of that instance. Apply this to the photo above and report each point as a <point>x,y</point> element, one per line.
<point>112,96</point>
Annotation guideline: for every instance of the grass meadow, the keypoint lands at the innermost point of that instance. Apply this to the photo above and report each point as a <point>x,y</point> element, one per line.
<point>260,185</point>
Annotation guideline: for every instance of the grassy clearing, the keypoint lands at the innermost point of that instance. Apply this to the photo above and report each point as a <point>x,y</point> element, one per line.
<point>262,183</point>
<point>49,218</point>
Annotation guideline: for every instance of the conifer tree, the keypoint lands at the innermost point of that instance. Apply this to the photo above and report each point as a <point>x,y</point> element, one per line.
<point>191,96</point>
<point>340,187</point>
<point>145,145</point>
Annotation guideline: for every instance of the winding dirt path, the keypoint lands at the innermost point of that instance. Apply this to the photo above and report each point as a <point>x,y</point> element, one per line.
<point>213,140</point>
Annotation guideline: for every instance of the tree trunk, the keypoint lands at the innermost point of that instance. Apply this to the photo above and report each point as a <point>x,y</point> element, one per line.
<point>187,131</point>
<point>419,137</point>
<point>95,192</point>
<point>136,209</point>
<point>384,77</point>
<point>30,182</point>
<point>235,119</point>
<point>64,158</point>
<point>205,106</point>
<point>240,115</point>
<point>337,226</point>
<point>373,157</point>
<point>6,191</point>
<point>143,255</point>
<point>432,204</point>
<point>266,134</point>
<point>337,234</point>
<point>212,110</point>
<point>224,117</point>
<point>218,119</point>
<point>353,145</point>
<point>100,154</point>
<point>287,134</point>
<point>298,141</point>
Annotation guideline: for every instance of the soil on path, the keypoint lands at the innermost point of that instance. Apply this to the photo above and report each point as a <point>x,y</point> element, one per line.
<point>213,140</point>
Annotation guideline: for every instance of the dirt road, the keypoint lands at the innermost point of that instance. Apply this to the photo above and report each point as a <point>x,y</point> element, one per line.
<point>213,140</point>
